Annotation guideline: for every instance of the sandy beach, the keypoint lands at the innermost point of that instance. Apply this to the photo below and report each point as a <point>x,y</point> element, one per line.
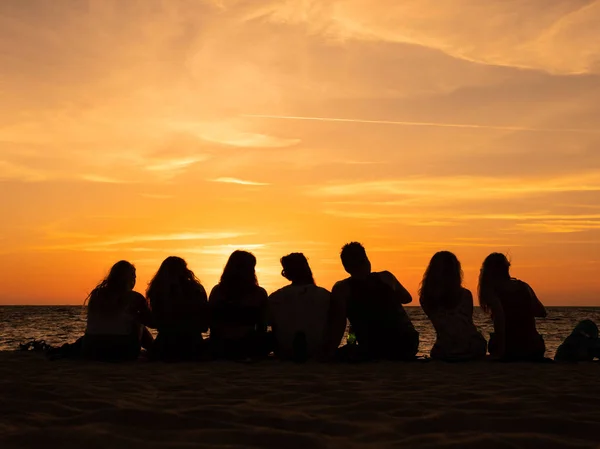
<point>66,404</point>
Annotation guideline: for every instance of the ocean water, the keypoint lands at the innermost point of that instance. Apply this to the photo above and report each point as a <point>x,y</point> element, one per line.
<point>60,324</point>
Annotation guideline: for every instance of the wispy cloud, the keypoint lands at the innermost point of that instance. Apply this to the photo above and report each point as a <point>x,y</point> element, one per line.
<point>11,171</point>
<point>101,244</point>
<point>555,37</point>
<point>239,181</point>
<point>229,133</point>
<point>156,196</point>
<point>176,164</point>
<point>102,179</point>
<point>464,187</point>
<point>428,124</point>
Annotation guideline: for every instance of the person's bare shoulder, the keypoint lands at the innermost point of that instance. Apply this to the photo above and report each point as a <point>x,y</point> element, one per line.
<point>341,288</point>
<point>262,294</point>
<point>214,293</point>
<point>136,296</point>
<point>136,299</point>
<point>387,276</point>
<point>201,288</point>
<point>277,294</point>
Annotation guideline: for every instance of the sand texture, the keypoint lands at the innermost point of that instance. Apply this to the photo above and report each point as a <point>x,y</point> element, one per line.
<point>68,404</point>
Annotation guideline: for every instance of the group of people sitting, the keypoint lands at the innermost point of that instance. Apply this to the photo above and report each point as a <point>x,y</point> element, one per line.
<point>309,322</point>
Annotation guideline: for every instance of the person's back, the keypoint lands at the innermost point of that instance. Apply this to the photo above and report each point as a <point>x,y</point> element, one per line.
<point>234,314</point>
<point>298,310</point>
<point>522,339</point>
<point>513,307</point>
<point>449,306</point>
<point>238,311</point>
<point>457,337</point>
<point>179,310</point>
<point>382,326</point>
<point>115,318</point>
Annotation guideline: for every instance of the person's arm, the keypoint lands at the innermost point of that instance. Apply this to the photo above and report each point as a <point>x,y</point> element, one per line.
<point>271,304</point>
<point>469,299</point>
<point>144,314</point>
<point>263,300</point>
<point>499,321</point>
<point>213,302</point>
<point>336,319</point>
<point>539,311</point>
<point>201,308</point>
<point>402,295</point>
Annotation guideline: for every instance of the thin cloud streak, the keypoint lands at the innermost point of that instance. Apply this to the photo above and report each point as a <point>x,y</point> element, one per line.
<point>102,179</point>
<point>135,239</point>
<point>428,124</point>
<point>239,182</point>
<point>463,187</point>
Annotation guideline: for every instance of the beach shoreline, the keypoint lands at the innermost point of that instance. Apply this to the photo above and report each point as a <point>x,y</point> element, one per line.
<point>69,403</point>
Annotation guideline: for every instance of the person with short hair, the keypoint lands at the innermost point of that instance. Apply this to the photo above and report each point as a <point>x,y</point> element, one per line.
<point>373,304</point>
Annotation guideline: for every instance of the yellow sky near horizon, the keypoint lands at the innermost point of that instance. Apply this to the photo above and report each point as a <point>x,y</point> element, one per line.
<point>142,129</point>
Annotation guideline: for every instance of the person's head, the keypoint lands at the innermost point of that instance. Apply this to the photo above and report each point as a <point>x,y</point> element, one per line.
<point>239,273</point>
<point>355,260</point>
<point>173,269</point>
<point>495,270</point>
<point>172,274</point>
<point>442,282</point>
<point>120,279</point>
<point>587,329</point>
<point>296,269</point>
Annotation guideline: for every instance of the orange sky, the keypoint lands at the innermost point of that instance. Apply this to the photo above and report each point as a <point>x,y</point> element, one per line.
<point>142,129</point>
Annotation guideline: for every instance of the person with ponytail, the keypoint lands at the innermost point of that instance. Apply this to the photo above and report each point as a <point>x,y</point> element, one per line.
<point>513,307</point>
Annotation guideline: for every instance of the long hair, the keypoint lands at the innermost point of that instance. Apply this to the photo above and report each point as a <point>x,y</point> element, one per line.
<point>239,274</point>
<point>495,270</point>
<point>108,293</point>
<point>441,286</point>
<point>170,283</point>
<point>296,269</point>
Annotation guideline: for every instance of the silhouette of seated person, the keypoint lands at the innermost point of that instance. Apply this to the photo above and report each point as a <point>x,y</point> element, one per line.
<point>373,303</point>
<point>238,311</point>
<point>582,345</point>
<point>449,306</point>
<point>180,312</point>
<point>513,306</point>
<point>116,317</point>
<point>298,312</point>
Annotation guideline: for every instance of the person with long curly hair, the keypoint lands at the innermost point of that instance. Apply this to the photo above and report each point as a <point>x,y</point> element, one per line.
<point>513,307</point>
<point>238,310</point>
<point>449,306</point>
<point>116,317</point>
<point>180,311</point>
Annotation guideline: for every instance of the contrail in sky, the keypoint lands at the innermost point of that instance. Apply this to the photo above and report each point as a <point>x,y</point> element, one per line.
<point>432,124</point>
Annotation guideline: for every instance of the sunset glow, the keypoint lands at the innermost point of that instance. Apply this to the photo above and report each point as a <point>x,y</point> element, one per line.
<point>142,129</point>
